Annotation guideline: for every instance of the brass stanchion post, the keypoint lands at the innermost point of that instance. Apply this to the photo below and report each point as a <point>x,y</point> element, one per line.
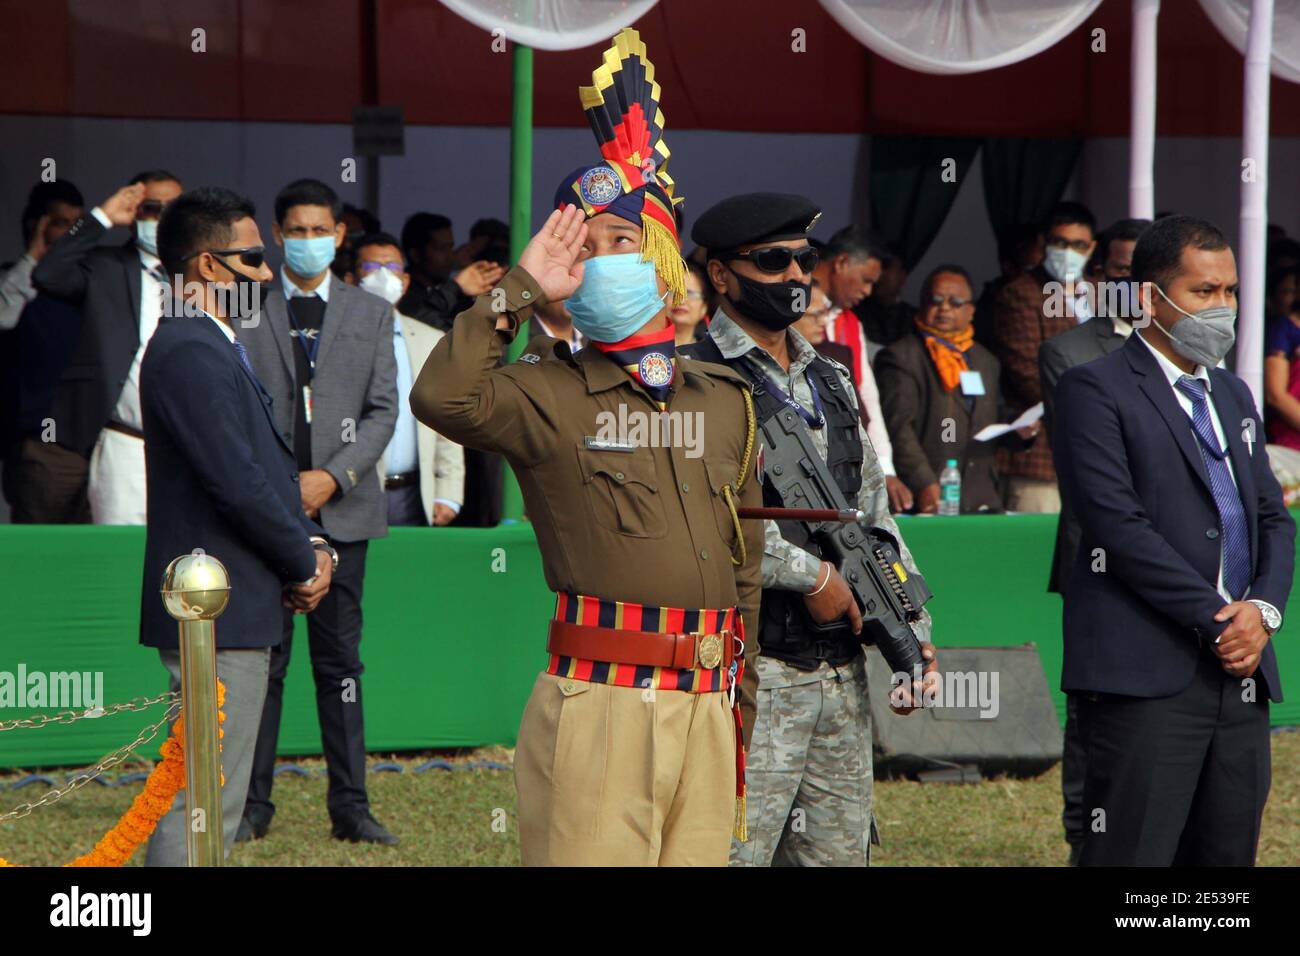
<point>195,588</point>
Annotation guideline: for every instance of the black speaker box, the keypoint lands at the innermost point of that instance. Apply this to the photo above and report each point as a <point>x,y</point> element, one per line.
<point>992,714</point>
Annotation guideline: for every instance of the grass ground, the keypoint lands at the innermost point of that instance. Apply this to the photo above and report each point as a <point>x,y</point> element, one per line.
<point>465,817</point>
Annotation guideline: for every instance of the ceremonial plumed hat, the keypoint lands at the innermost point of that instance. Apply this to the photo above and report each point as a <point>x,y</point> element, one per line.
<point>754,217</point>
<point>631,181</point>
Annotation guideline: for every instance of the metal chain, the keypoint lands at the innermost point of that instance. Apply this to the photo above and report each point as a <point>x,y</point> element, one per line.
<point>70,716</point>
<point>105,763</point>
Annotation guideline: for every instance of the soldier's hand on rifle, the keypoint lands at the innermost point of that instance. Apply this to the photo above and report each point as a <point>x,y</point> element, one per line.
<point>905,698</point>
<point>832,599</point>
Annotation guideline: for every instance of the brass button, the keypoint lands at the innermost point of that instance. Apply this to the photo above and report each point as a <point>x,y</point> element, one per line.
<point>568,687</point>
<point>526,294</point>
<point>705,555</point>
<point>618,476</point>
<point>685,487</point>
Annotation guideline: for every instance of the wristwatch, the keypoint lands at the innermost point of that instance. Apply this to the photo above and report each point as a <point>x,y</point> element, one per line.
<point>1272,619</point>
<point>320,544</point>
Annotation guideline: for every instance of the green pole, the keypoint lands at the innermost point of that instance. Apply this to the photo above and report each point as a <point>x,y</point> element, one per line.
<point>521,219</point>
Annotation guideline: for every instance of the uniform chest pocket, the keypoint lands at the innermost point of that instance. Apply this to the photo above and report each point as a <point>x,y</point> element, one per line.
<point>622,492</point>
<point>721,474</point>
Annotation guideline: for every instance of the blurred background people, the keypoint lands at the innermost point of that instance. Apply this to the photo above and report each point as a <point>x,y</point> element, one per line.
<point>97,441</point>
<point>938,388</point>
<point>440,289</point>
<point>690,316</point>
<point>1031,308</point>
<point>423,472</point>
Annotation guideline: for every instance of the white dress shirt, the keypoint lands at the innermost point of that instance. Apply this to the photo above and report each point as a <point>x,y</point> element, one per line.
<point>127,410</point>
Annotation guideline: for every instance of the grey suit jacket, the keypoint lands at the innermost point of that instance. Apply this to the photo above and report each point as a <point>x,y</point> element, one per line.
<point>354,398</point>
<point>1077,346</point>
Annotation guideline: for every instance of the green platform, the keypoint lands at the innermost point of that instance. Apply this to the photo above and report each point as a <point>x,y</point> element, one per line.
<point>455,627</point>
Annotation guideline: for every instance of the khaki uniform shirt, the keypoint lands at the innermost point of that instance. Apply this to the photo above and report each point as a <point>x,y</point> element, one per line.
<point>785,565</point>
<point>646,524</point>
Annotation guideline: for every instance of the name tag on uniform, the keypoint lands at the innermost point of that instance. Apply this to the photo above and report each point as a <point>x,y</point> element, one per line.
<point>972,383</point>
<point>605,444</point>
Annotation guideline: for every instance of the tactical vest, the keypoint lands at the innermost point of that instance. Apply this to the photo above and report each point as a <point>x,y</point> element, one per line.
<point>786,630</point>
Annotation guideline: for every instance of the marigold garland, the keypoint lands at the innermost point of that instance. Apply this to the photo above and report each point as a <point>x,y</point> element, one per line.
<point>151,804</point>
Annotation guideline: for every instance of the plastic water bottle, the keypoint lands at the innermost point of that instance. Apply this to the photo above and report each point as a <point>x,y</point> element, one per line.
<point>950,489</point>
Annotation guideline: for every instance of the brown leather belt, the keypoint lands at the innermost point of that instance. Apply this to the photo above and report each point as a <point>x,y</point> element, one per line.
<point>117,426</point>
<point>683,651</point>
<point>401,481</point>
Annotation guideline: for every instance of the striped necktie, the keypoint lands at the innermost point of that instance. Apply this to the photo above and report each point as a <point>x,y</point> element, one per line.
<point>1232,515</point>
<point>243,356</point>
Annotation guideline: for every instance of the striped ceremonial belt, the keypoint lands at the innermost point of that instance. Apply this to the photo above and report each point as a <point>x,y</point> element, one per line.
<point>636,645</point>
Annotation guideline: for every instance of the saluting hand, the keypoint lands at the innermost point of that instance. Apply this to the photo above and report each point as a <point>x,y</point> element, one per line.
<point>551,256</point>
<point>120,207</point>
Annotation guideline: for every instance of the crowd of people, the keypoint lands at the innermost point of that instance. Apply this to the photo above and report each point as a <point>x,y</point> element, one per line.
<point>931,374</point>
<point>338,346</point>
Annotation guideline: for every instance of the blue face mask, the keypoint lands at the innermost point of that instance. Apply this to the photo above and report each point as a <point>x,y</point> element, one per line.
<point>309,257</point>
<point>618,295</point>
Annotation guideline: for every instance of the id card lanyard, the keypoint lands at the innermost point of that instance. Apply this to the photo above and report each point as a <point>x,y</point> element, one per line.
<point>310,347</point>
<point>815,418</point>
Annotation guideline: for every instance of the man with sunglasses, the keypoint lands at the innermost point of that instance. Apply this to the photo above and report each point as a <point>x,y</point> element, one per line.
<point>95,415</point>
<point>222,479</point>
<point>1032,308</point>
<point>809,765</point>
<point>324,351</point>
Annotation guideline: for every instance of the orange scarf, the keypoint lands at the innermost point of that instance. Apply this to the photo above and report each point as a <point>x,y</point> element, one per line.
<point>947,351</point>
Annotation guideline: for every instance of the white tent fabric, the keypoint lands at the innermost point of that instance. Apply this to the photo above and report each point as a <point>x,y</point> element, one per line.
<point>1232,17</point>
<point>958,36</point>
<point>553,24</point>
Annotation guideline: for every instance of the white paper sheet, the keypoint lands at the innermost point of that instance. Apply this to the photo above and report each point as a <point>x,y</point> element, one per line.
<point>1027,417</point>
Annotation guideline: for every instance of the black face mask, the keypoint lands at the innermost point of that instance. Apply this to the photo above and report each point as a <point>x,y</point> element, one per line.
<point>245,300</point>
<point>773,305</point>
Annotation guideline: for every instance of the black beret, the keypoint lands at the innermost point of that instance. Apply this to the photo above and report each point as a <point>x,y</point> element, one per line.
<point>754,217</point>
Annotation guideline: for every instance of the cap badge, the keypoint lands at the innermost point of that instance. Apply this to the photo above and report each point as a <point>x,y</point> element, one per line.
<point>600,186</point>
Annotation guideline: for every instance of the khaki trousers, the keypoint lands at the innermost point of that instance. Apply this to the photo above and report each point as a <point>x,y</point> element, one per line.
<point>624,776</point>
<point>1033,495</point>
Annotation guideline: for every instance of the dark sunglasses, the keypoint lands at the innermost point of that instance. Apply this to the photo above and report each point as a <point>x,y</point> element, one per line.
<point>776,259</point>
<point>251,256</point>
<point>150,208</point>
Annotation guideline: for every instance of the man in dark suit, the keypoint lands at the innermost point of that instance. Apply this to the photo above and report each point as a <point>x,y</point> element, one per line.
<point>938,389</point>
<point>220,478</point>
<point>96,409</point>
<point>324,350</point>
<point>1097,337</point>
<point>1031,308</point>
<point>1182,574</point>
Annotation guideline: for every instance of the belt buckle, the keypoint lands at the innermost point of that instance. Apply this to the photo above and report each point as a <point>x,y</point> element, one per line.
<point>709,651</point>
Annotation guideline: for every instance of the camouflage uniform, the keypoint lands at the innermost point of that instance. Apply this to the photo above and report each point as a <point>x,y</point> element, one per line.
<point>808,773</point>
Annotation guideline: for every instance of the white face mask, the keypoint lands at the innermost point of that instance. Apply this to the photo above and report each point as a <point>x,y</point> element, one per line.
<point>383,283</point>
<point>146,235</point>
<point>1064,264</point>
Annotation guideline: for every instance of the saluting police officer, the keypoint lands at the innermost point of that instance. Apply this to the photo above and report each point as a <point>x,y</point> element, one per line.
<point>628,750</point>
<point>809,763</point>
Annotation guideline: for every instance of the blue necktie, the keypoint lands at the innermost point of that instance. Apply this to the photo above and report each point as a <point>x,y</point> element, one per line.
<point>243,357</point>
<point>1232,515</point>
